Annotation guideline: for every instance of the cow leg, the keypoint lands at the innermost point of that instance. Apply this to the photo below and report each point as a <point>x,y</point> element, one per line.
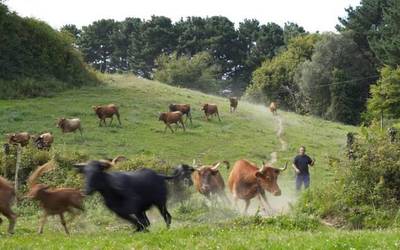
<point>266,203</point>
<point>169,126</point>
<point>119,121</point>
<point>183,125</point>
<point>12,217</point>
<point>100,120</point>
<point>80,130</point>
<point>133,220</point>
<point>218,116</point>
<point>165,214</point>
<point>247,206</point>
<point>42,222</point>
<point>63,223</point>
<point>143,221</point>
<point>112,118</point>
<point>190,118</point>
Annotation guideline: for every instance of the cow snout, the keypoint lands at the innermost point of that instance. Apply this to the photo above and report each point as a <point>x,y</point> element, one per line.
<point>205,188</point>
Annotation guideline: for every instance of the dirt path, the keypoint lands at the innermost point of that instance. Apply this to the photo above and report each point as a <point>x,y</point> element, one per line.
<point>279,134</point>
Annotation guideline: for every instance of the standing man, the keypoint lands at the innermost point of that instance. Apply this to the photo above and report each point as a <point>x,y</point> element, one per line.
<point>300,164</point>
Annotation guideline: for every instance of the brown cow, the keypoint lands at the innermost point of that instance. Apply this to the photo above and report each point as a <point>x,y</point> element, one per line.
<point>44,140</point>
<point>208,180</point>
<point>7,196</point>
<point>184,108</point>
<point>19,138</point>
<point>171,117</point>
<point>107,111</point>
<point>54,201</point>
<point>69,125</point>
<point>247,181</point>
<point>273,107</point>
<point>210,109</point>
<point>233,104</point>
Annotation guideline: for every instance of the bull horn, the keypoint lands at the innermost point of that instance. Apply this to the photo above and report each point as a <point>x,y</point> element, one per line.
<point>216,166</point>
<point>284,168</point>
<point>194,164</point>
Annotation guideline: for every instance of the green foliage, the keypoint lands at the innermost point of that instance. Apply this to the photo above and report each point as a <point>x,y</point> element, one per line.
<point>365,192</point>
<point>37,60</point>
<point>274,80</point>
<point>198,72</point>
<point>385,94</point>
<point>336,79</point>
<point>385,38</point>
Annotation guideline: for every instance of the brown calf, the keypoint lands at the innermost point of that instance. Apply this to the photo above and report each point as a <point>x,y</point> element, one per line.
<point>69,125</point>
<point>273,107</point>
<point>233,104</point>
<point>7,196</point>
<point>19,138</point>
<point>171,117</point>
<point>247,181</point>
<point>208,181</point>
<point>54,201</point>
<point>210,109</point>
<point>184,108</point>
<point>44,141</point>
<point>107,111</point>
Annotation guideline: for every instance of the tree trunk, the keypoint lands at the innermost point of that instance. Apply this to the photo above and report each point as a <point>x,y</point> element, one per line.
<point>382,120</point>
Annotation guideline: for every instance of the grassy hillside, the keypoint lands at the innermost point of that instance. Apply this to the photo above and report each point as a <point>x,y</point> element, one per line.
<point>250,133</point>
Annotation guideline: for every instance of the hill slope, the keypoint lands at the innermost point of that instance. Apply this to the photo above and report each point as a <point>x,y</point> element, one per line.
<point>251,133</point>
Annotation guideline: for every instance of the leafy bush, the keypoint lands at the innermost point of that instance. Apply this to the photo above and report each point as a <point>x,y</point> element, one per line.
<point>37,60</point>
<point>197,72</point>
<point>366,191</point>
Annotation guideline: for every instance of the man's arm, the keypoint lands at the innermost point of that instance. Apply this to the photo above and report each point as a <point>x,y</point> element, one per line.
<point>312,161</point>
<point>295,167</point>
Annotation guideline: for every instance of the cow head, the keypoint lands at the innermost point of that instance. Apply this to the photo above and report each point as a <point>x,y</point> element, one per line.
<point>95,108</point>
<point>11,138</point>
<point>60,122</point>
<point>94,175</point>
<point>162,116</point>
<point>267,178</point>
<point>206,175</point>
<point>183,174</point>
<point>205,107</point>
<point>36,191</point>
<point>172,107</point>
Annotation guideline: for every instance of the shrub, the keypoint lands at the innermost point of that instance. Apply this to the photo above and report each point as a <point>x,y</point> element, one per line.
<point>197,72</point>
<point>365,192</point>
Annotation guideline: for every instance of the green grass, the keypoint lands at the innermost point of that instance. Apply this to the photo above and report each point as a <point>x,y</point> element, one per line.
<point>250,133</point>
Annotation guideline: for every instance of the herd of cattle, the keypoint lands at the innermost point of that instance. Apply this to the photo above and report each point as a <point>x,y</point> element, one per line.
<point>131,194</point>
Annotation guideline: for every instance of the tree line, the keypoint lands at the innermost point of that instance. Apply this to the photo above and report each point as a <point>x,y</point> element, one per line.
<point>136,45</point>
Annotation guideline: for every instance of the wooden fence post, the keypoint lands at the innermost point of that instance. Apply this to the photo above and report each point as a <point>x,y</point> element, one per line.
<point>19,152</point>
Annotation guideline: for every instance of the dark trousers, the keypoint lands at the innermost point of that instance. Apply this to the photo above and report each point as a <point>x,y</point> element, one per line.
<point>302,179</point>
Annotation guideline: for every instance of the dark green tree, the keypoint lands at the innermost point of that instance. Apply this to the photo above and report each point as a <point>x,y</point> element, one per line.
<point>385,38</point>
<point>96,44</point>
<point>72,30</point>
<point>155,37</point>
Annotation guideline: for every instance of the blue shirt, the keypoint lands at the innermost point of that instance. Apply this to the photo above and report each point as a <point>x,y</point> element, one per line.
<point>301,162</point>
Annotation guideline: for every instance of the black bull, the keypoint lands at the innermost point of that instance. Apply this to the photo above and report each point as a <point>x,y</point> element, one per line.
<point>128,194</point>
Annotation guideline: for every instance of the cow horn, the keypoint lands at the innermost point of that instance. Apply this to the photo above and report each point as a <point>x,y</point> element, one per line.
<point>216,166</point>
<point>194,164</point>
<point>284,168</point>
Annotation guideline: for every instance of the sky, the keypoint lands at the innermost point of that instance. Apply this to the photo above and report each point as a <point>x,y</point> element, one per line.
<point>313,15</point>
